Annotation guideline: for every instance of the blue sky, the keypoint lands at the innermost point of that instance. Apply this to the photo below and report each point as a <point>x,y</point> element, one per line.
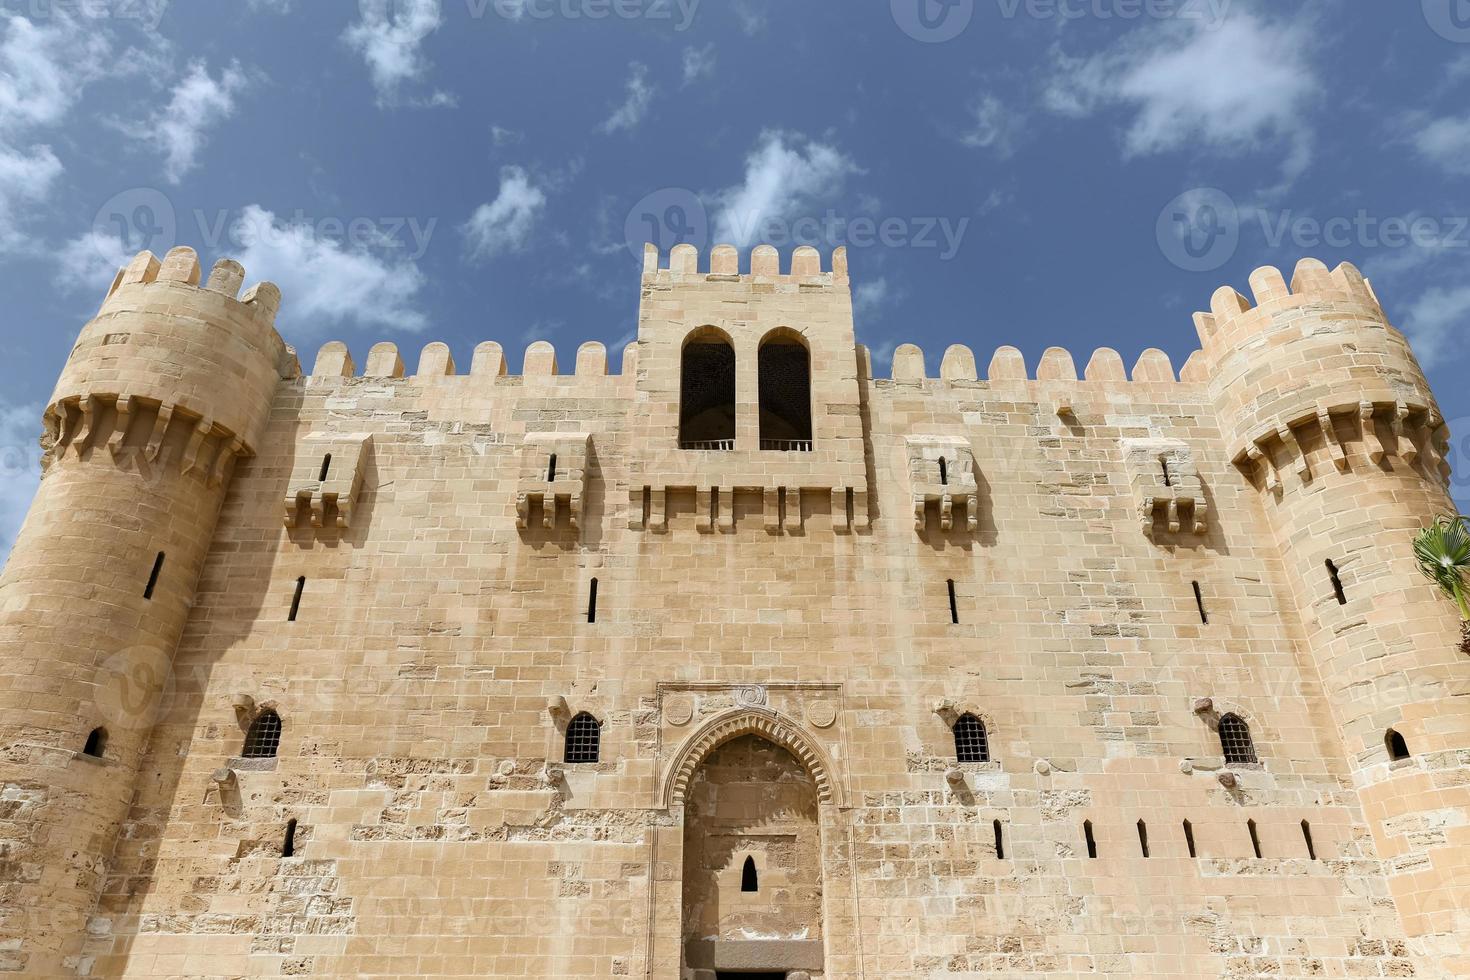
<point>467,170</point>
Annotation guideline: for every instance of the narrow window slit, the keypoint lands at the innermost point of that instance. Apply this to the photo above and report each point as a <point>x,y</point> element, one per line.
<point>153,576</point>
<point>954,608</point>
<point>551,470</point>
<point>1336,582</point>
<point>592,602</point>
<point>1091,841</point>
<point>1189,837</point>
<point>1255,837</point>
<point>1000,841</point>
<point>288,846</point>
<point>296,599</point>
<point>1307,837</point>
<point>1398,748</point>
<point>1168,479</point>
<point>749,881</point>
<point>96,743</point>
<point>326,468</point>
<point>943,472</point>
<point>1143,837</point>
<point>1199,602</point>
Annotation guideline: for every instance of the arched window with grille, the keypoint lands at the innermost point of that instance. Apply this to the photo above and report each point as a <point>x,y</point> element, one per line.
<point>707,392</point>
<point>584,739</point>
<point>785,367</point>
<point>971,744</point>
<point>263,739</point>
<point>1235,741</point>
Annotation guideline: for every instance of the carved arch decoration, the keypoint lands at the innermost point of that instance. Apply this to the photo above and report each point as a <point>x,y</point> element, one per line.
<point>769,725</point>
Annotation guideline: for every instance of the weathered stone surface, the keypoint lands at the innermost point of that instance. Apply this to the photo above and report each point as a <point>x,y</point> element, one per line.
<point>772,647</point>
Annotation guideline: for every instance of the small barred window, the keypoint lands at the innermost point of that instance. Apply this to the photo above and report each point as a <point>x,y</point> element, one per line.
<point>584,739</point>
<point>970,741</point>
<point>264,737</point>
<point>1235,741</point>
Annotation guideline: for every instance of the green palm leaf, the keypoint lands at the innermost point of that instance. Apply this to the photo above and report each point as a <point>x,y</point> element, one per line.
<point>1443,553</point>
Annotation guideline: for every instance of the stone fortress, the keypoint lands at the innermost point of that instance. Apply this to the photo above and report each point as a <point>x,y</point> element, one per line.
<point>739,663</point>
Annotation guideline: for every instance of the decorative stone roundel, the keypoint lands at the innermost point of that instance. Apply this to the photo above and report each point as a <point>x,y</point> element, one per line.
<point>753,696</point>
<point>678,710</point>
<point>821,714</point>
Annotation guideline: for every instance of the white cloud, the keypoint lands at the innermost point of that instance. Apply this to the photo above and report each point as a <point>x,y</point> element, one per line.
<point>1244,84</point>
<point>26,178</point>
<point>389,37</point>
<point>505,223</point>
<point>43,70</point>
<point>1446,143</point>
<point>326,283</point>
<point>20,468</point>
<point>199,102</point>
<point>501,136</point>
<point>784,173</point>
<point>698,63</point>
<point>635,105</point>
<point>90,261</point>
<point>1436,323</point>
<point>995,126</point>
<point>869,296</point>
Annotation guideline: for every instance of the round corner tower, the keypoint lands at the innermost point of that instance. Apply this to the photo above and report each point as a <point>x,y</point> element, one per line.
<point>166,387</point>
<point>1328,414</point>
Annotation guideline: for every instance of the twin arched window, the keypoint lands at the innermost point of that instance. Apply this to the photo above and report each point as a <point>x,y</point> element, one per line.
<point>707,392</point>
<point>1235,741</point>
<point>971,743</point>
<point>584,739</point>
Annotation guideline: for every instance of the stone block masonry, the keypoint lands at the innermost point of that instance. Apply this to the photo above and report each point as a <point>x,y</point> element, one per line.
<point>739,661</point>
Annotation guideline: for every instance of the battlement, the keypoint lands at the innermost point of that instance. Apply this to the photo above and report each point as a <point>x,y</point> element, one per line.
<point>165,343</point>
<point>765,264</point>
<point>1232,316</point>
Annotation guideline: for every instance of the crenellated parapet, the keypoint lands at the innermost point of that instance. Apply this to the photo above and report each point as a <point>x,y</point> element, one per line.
<point>172,370</point>
<point>1315,370</point>
<point>804,268</point>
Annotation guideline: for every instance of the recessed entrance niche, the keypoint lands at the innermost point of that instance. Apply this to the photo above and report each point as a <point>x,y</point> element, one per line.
<point>751,817</point>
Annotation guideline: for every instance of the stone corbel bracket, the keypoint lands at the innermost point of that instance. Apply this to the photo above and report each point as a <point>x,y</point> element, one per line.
<point>553,468</point>
<point>1166,484</point>
<point>1415,433</point>
<point>781,508</point>
<point>942,471</point>
<point>327,476</point>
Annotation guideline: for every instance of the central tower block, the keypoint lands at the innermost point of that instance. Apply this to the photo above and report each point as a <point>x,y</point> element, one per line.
<point>168,386</point>
<point>1328,414</point>
<point>749,383</point>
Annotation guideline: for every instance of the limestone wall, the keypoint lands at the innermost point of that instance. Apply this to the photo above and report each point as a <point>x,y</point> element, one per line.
<point>443,641</point>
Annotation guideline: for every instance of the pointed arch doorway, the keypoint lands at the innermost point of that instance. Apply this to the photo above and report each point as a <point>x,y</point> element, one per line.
<point>749,894</point>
